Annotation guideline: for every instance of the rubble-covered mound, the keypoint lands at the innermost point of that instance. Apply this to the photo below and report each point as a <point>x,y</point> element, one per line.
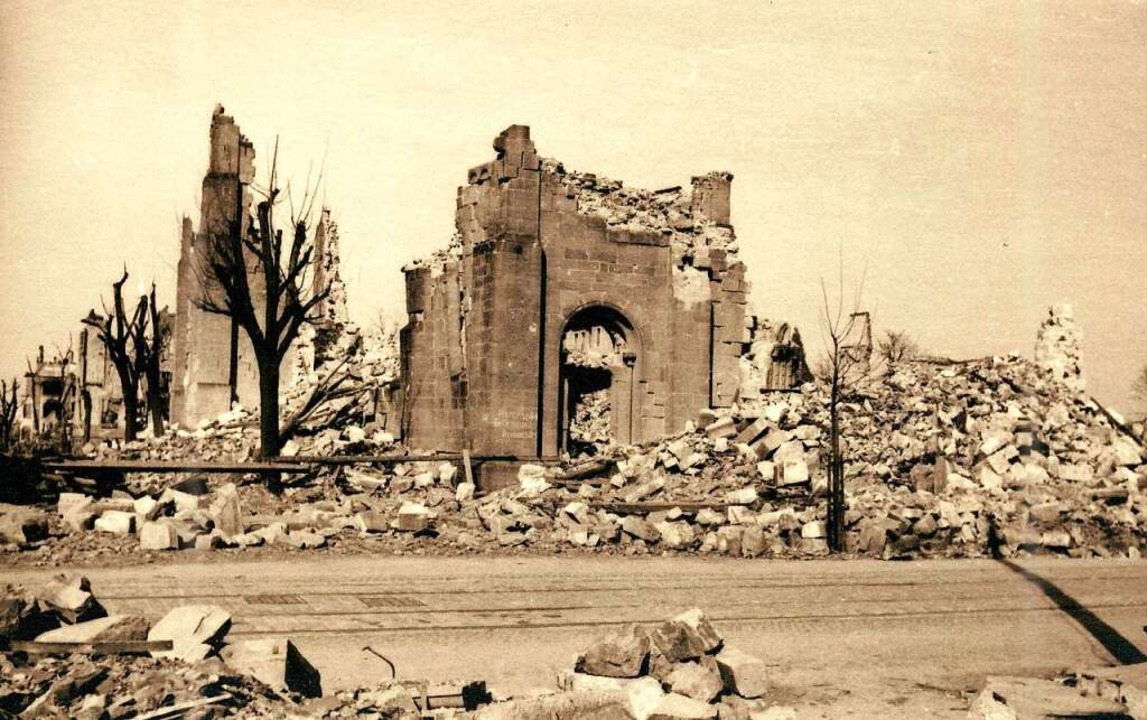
<point>942,459</point>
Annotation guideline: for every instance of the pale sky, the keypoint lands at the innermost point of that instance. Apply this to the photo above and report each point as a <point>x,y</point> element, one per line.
<point>982,161</point>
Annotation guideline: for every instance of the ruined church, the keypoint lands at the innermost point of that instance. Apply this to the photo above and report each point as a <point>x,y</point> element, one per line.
<point>565,299</point>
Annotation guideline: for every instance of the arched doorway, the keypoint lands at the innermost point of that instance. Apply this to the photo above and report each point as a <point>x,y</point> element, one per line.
<point>598,365</point>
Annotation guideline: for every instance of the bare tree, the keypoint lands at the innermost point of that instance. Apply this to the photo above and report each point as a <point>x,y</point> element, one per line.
<point>8,407</point>
<point>124,336</point>
<point>896,347</point>
<point>155,344</point>
<point>848,343</point>
<point>272,309</point>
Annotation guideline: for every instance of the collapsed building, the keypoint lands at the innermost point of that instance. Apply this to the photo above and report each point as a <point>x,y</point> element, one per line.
<point>563,292</point>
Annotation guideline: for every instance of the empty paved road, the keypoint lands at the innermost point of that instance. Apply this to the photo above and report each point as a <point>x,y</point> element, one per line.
<point>859,637</point>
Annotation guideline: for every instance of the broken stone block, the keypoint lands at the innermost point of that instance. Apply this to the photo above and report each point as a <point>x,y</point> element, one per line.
<point>412,517</point>
<point>621,653</point>
<point>680,707</point>
<point>1045,513</point>
<point>69,502</point>
<point>698,680</point>
<point>742,673</point>
<point>116,521</point>
<point>158,536</point>
<point>742,496</point>
<point>582,704</point>
<point>1055,540</point>
<point>643,695</point>
<point>753,431</point>
<point>105,629</point>
<point>371,521</point>
<point>791,472</point>
<point>676,535</point>
<point>925,526</point>
<point>146,507</point>
<point>766,446</point>
<point>643,490</point>
<point>226,512</point>
<point>304,539</point>
<point>639,528</point>
<point>723,427</point>
<point>70,598</point>
<point>813,529</point>
<point>464,492</point>
<point>193,630</point>
<point>753,541</point>
<point>709,517</point>
<point>687,636</point>
<point>21,525</point>
<point>276,662</point>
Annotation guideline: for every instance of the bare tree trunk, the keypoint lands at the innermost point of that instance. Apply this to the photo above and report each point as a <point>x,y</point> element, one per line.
<point>269,409</point>
<point>130,416</point>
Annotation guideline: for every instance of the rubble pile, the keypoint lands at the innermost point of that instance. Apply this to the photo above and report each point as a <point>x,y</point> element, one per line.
<point>668,211</point>
<point>67,658</point>
<point>680,668</point>
<point>1059,347</point>
<point>1115,692</point>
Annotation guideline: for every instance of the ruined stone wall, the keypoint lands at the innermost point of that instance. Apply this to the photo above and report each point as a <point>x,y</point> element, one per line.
<point>536,247</point>
<point>202,368</point>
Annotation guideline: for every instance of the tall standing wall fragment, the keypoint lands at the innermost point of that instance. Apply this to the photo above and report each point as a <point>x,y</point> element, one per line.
<point>541,253</point>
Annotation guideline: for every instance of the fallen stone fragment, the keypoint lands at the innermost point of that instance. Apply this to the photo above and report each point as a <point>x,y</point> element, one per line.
<point>680,707</point>
<point>21,525</point>
<point>591,705</point>
<point>1019,697</point>
<point>304,539</point>
<point>70,598</point>
<point>116,521</point>
<point>698,680</point>
<point>639,528</point>
<point>226,512</point>
<point>276,662</point>
<point>371,521</point>
<point>621,653</point>
<point>742,496</point>
<point>687,636</point>
<point>412,517</point>
<point>113,628</point>
<point>194,631</point>
<point>644,696</point>
<point>158,536</point>
<point>742,673</point>
<point>814,529</point>
<point>791,472</point>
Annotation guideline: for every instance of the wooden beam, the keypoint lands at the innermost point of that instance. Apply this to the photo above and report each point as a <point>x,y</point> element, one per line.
<point>107,466</point>
<point>108,647</point>
<point>643,508</point>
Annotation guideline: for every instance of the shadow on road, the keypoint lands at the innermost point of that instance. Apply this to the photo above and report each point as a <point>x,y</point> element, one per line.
<point>1122,649</point>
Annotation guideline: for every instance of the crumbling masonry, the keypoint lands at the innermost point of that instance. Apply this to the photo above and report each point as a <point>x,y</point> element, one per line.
<point>562,289</point>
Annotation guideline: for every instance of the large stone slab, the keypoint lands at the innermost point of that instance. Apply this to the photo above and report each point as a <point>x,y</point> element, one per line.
<point>194,630</point>
<point>106,629</point>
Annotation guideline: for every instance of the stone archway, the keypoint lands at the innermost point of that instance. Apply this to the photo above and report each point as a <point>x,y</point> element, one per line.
<point>598,359</point>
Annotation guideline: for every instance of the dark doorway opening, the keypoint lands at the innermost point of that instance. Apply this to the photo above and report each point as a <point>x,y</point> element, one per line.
<point>598,359</point>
